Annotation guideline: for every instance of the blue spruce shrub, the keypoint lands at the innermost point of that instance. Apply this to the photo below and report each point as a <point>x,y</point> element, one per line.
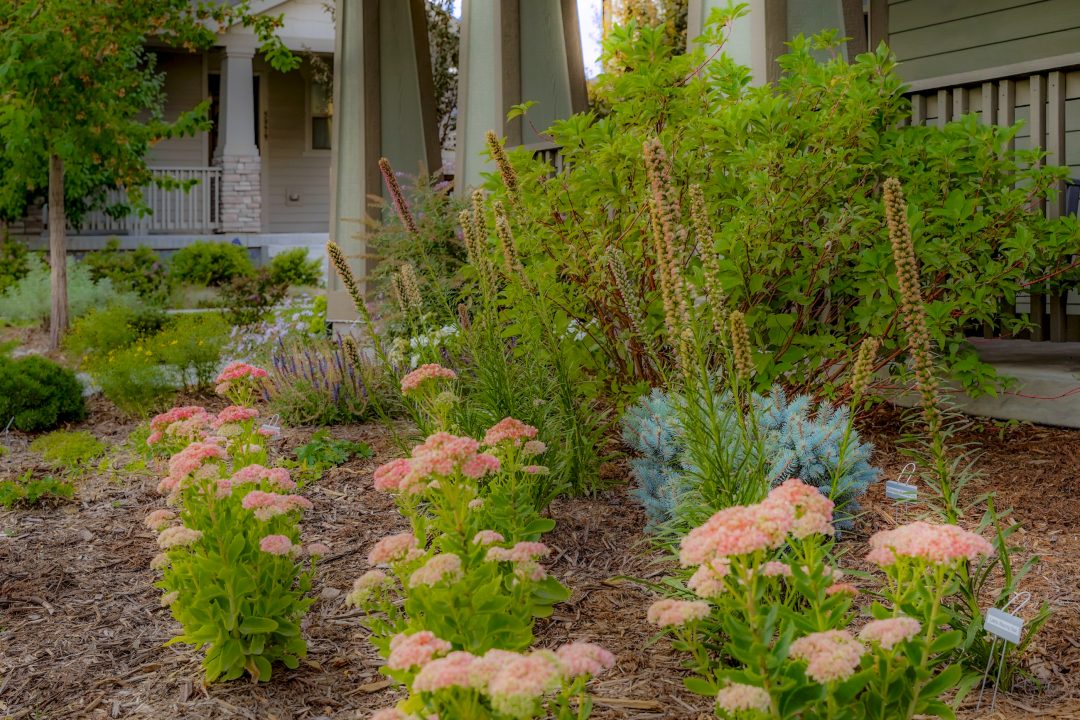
<point>802,440</point>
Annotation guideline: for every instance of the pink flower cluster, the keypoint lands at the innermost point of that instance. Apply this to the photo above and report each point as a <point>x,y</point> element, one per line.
<point>235,414</point>
<point>737,696</point>
<point>237,372</point>
<point>676,613</point>
<point>394,548</point>
<point>515,688</point>
<point>890,632</point>
<point>365,585</point>
<point>487,537</point>
<point>439,456</point>
<point>524,556</point>
<point>581,658</point>
<point>445,566</point>
<point>178,536</point>
<point>792,507</point>
<point>276,477</point>
<point>267,505</point>
<point>830,655</point>
<point>185,423</point>
<point>159,519</point>
<point>533,448</point>
<point>939,544</point>
<point>276,545</point>
<point>708,580</point>
<point>509,430</point>
<point>418,649</point>
<point>187,462</point>
<point>423,374</point>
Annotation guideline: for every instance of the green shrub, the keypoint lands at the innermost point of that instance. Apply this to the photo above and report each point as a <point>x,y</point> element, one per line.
<point>68,449</point>
<point>31,491</point>
<point>140,270</point>
<point>210,263</point>
<point>37,394</point>
<point>14,262</point>
<point>191,344</point>
<point>28,301</point>
<point>292,268</point>
<point>248,299</point>
<point>133,379</point>
<point>111,328</point>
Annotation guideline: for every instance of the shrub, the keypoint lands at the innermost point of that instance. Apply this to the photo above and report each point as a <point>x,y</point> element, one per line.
<point>29,490</point>
<point>293,269</point>
<point>140,270</point>
<point>111,328</point>
<point>37,394</point>
<point>248,299</point>
<point>28,300</point>
<point>133,379</point>
<point>210,263</point>
<point>798,439</point>
<point>233,572</point>
<point>14,262</point>
<point>191,345</point>
<point>323,451</point>
<point>68,450</point>
<point>314,382</point>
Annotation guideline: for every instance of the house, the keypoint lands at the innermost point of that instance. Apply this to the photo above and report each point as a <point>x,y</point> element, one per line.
<point>263,170</point>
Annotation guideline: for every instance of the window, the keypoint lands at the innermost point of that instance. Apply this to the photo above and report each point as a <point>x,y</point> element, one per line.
<point>320,111</point>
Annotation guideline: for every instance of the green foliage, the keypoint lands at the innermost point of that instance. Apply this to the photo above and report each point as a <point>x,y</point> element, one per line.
<point>70,450</point>
<point>292,268</point>
<point>191,346</point>
<point>28,301</point>
<point>250,298</point>
<point>14,262</point>
<point>133,379</point>
<point>796,214</point>
<point>323,452</point>
<point>109,328</point>
<point>81,83</point>
<point>37,394</point>
<point>30,491</point>
<point>140,271</point>
<point>210,263</point>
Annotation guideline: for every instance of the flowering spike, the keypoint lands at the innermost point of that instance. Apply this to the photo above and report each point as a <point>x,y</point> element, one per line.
<point>398,198</point>
<point>506,170</point>
<point>740,345</point>
<point>511,265</point>
<point>410,288</point>
<point>864,367</point>
<point>341,265</point>
<point>710,261</point>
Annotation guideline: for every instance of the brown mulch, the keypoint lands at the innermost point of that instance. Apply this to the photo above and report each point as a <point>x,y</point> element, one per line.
<point>81,627</point>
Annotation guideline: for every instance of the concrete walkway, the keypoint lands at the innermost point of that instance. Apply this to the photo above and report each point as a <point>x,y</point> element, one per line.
<point>1047,389</point>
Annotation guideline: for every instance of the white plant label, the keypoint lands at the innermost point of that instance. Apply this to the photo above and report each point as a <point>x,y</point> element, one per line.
<point>896,490</point>
<point>1004,625</point>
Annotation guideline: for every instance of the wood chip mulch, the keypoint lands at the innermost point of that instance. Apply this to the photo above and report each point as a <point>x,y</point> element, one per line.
<point>81,627</point>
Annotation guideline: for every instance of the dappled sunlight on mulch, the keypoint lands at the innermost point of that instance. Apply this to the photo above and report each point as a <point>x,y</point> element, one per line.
<point>81,628</point>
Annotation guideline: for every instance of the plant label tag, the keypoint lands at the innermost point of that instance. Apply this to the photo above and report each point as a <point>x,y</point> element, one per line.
<point>1003,625</point>
<point>896,490</point>
<point>272,430</point>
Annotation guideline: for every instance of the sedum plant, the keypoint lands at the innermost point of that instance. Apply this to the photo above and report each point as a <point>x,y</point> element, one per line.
<point>234,573</point>
<point>764,577</point>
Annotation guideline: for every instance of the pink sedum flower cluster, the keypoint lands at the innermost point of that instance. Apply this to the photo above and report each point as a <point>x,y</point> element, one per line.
<point>676,613</point>
<point>266,505</point>
<point>487,537</point>
<point>737,697</point>
<point>186,423</point>
<point>276,545</point>
<point>394,548</point>
<point>178,536</point>
<point>234,414</point>
<point>423,374</point>
<point>236,373</point>
<point>159,519</point>
<point>278,478</point>
<point>830,656</point>
<point>582,658</point>
<point>509,430</point>
<point>365,585</point>
<point>708,580</point>
<point>791,508</point>
<point>439,456</point>
<point>446,566</point>
<point>890,632</point>
<point>418,649</point>
<point>190,461</point>
<point>938,544</point>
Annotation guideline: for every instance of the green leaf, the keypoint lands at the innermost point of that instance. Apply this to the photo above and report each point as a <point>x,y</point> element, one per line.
<point>254,625</point>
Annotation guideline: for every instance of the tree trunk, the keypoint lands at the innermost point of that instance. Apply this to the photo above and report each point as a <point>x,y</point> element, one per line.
<point>58,321</point>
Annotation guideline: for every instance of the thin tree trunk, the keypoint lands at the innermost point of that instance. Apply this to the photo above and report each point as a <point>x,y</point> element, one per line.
<point>58,321</point>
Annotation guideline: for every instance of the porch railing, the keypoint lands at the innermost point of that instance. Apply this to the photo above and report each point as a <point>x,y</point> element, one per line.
<point>1037,97</point>
<point>174,210</point>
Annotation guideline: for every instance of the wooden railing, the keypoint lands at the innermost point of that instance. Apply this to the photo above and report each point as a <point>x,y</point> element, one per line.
<point>174,210</point>
<point>549,153</point>
<point>1038,99</point>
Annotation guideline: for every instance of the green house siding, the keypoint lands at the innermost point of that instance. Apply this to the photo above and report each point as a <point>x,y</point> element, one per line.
<point>933,38</point>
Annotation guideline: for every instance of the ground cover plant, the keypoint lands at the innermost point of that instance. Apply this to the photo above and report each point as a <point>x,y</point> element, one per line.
<point>29,490</point>
<point>68,450</point>
<point>38,394</point>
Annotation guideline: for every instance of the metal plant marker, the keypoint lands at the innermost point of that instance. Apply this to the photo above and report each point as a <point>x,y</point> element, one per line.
<point>901,488</point>
<point>1008,628</point>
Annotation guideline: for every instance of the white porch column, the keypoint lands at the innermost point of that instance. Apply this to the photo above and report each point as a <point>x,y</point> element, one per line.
<point>383,107</point>
<point>514,51</point>
<point>241,192</point>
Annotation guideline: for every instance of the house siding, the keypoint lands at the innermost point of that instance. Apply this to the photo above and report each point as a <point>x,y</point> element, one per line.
<point>185,87</point>
<point>934,38</point>
<point>291,167</point>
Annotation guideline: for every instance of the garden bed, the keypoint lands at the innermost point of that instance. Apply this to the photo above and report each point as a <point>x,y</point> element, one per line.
<point>82,626</point>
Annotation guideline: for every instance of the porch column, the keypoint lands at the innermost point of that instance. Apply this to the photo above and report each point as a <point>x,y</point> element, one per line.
<point>236,153</point>
<point>756,39</point>
<point>512,52</point>
<point>383,107</point>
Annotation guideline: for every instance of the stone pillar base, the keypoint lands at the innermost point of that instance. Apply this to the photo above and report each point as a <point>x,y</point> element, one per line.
<point>241,193</point>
